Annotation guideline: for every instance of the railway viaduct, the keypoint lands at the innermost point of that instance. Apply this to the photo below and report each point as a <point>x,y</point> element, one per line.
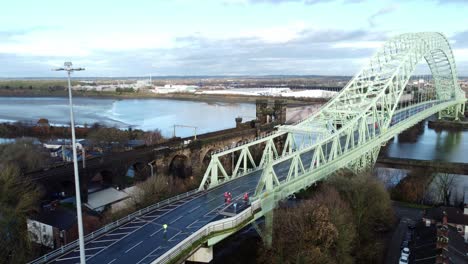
<point>177,157</point>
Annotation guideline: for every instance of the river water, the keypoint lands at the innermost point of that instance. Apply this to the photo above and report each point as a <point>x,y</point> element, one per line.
<point>146,114</point>
<point>443,145</point>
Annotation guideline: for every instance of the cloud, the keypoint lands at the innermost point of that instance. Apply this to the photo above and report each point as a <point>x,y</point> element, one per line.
<point>461,39</point>
<point>307,2</point>
<point>383,11</point>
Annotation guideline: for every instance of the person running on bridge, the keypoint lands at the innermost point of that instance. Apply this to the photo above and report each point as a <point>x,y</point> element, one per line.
<point>229,200</point>
<point>226,195</point>
<point>165,228</point>
<point>246,197</point>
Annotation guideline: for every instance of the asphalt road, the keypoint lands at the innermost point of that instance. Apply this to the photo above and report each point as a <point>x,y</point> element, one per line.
<point>143,239</point>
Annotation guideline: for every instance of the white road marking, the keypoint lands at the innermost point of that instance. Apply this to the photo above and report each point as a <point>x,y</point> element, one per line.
<point>86,248</point>
<point>176,219</point>
<point>195,208</point>
<point>192,223</point>
<point>116,234</point>
<point>107,240</point>
<point>128,227</point>
<point>149,255</point>
<point>212,199</point>
<point>170,239</point>
<point>61,259</point>
<point>156,232</point>
<point>111,261</point>
<point>133,246</point>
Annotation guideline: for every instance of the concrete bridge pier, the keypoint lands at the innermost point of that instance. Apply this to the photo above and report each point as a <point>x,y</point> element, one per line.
<point>202,255</point>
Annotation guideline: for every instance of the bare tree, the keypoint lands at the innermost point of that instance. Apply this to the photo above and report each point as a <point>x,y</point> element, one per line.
<point>444,183</point>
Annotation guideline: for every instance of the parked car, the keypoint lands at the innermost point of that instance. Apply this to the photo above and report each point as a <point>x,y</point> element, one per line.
<point>409,236</point>
<point>404,244</point>
<point>403,260</point>
<point>405,252</point>
<point>411,225</point>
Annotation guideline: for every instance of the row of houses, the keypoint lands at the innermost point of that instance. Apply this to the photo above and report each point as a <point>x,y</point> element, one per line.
<point>442,235</point>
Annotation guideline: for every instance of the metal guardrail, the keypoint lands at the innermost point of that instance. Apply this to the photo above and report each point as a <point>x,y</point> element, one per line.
<point>53,254</point>
<point>207,230</point>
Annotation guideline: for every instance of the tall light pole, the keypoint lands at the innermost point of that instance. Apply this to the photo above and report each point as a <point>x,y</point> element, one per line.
<point>69,69</point>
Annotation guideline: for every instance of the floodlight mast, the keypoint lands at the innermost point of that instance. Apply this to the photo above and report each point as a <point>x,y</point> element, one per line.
<point>69,69</point>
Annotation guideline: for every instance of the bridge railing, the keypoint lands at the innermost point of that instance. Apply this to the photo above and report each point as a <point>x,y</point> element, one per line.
<point>53,254</point>
<point>191,242</point>
<point>226,148</point>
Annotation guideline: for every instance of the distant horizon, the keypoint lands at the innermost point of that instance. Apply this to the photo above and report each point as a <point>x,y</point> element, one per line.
<point>189,76</point>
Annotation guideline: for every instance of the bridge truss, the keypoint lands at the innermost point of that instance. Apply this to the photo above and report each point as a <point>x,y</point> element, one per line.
<point>349,130</point>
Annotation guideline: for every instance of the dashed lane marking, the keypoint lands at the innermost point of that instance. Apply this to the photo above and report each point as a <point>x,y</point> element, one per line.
<point>176,219</point>
<point>156,232</point>
<point>133,246</point>
<point>195,208</point>
<point>170,239</point>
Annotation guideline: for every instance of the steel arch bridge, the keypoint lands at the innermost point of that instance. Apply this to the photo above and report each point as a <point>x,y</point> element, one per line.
<point>377,104</point>
<point>350,129</point>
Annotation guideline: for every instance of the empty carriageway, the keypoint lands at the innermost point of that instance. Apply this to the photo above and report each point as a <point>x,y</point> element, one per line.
<point>377,104</point>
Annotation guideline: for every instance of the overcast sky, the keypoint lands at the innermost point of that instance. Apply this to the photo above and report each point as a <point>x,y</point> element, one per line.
<point>215,37</point>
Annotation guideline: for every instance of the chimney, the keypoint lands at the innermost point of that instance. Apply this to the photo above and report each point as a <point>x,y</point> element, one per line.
<point>444,218</point>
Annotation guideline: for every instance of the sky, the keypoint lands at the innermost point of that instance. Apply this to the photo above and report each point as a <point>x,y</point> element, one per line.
<point>113,38</point>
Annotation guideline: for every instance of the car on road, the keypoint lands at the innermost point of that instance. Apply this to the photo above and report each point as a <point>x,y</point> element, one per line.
<point>405,252</point>
<point>404,244</point>
<point>403,260</point>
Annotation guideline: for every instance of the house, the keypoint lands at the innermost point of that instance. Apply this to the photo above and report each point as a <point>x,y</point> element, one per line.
<point>457,218</point>
<point>53,226</point>
<point>100,200</point>
<point>438,243</point>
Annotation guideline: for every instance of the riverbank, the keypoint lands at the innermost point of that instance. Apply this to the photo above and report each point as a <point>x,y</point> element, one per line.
<point>60,91</point>
<point>447,124</point>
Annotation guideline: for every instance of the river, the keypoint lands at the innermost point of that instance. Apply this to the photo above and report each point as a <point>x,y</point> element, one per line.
<point>430,144</point>
<point>146,114</point>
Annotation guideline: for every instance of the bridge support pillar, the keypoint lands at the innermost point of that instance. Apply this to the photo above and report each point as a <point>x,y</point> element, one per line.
<point>453,112</point>
<point>268,232</point>
<point>202,255</point>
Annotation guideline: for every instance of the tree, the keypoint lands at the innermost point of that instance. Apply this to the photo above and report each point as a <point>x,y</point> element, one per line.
<point>301,234</point>
<point>24,154</point>
<point>371,209</point>
<point>152,137</point>
<point>108,137</point>
<point>444,183</point>
<point>18,200</point>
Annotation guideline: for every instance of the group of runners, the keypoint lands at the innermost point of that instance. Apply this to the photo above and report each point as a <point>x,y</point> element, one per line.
<point>228,197</point>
